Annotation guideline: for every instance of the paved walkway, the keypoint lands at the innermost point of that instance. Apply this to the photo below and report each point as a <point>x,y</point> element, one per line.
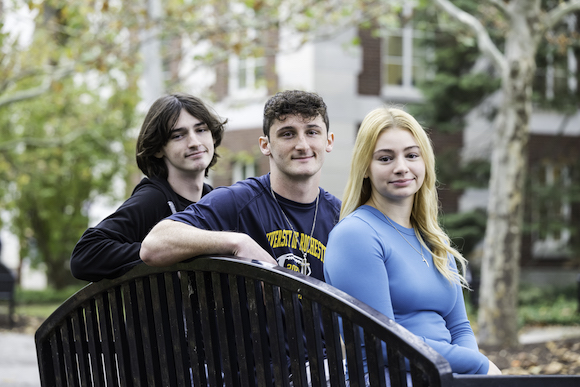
<point>19,368</point>
<point>18,365</point>
<point>542,335</point>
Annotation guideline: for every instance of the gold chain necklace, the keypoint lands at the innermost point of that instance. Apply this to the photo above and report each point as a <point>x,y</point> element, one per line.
<point>304,265</point>
<point>420,244</point>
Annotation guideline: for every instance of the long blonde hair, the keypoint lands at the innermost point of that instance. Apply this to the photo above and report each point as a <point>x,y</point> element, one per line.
<point>424,215</point>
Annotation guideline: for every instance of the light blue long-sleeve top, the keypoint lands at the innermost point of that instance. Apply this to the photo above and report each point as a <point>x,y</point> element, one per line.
<point>368,259</point>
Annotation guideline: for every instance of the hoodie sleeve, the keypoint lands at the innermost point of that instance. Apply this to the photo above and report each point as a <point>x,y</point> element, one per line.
<point>111,248</point>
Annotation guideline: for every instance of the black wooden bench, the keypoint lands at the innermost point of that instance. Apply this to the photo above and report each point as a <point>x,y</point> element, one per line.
<point>7,284</point>
<point>225,321</point>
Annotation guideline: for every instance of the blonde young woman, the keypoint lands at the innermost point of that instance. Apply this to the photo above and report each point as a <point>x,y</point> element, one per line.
<point>388,249</point>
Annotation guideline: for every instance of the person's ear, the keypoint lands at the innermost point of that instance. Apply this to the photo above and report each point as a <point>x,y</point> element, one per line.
<point>329,142</point>
<point>159,154</point>
<point>265,146</point>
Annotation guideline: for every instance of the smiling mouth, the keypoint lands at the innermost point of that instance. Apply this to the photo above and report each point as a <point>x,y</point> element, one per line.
<point>302,157</point>
<point>195,154</point>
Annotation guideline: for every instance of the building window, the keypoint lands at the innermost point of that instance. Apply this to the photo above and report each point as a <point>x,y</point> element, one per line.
<point>557,78</point>
<point>249,75</point>
<point>393,60</point>
<point>404,59</point>
<point>242,170</point>
<point>556,75</point>
<point>242,74</point>
<point>404,62</point>
<point>551,212</point>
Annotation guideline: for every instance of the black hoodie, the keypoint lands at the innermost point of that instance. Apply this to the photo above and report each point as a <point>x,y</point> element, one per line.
<point>111,248</point>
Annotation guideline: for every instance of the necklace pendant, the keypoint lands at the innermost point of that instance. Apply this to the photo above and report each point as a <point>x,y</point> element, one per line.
<point>304,268</point>
<point>424,260</point>
<point>304,265</point>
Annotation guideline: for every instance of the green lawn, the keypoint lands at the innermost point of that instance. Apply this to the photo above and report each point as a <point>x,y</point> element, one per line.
<point>36,310</point>
<point>537,306</point>
<point>542,306</point>
<point>41,303</point>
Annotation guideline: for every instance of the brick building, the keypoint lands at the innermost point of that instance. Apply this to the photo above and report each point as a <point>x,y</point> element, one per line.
<point>353,80</point>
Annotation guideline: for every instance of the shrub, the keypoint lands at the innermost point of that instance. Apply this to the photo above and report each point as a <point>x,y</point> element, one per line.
<point>45,296</point>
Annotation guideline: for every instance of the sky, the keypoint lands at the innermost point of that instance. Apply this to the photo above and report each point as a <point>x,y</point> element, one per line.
<point>19,21</point>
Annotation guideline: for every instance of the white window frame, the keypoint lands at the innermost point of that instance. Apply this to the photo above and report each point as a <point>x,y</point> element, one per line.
<point>405,91</point>
<point>242,170</point>
<point>253,88</point>
<point>569,74</point>
<point>552,246</point>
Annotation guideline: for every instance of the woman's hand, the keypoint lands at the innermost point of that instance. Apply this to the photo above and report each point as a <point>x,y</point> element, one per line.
<point>493,370</point>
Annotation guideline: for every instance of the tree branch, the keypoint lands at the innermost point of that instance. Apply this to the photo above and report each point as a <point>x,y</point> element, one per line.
<point>35,91</point>
<point>41,142</point>
<point>502,6</point>
<point>556,14</point>
<point>22,75</point>
<point>486,46</point>
<point>25,94</point>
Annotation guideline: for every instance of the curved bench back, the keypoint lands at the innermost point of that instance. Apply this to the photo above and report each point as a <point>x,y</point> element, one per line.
<point>226,321</point>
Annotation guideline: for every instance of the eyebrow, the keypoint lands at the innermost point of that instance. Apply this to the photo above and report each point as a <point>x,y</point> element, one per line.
<point>199,124</point>
<point>308,126</point>
<point>392,151</point>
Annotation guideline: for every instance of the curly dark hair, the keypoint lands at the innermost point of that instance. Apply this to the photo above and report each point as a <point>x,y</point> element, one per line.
<point>293,102</point>
<point>161,119</point>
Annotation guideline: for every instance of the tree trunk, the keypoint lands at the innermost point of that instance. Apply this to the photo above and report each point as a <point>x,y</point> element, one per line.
<point>153,84</point>
<point>58,273</point>
<point>497,318</point>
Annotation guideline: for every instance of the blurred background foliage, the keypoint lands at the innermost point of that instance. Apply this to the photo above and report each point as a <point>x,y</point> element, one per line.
<point>537,306</point>
<point>461,79</point>
<point>67,104</point>
<point>70,94</point>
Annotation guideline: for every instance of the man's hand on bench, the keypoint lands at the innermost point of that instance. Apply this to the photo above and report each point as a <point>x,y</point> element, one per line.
<point>248,248</point>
